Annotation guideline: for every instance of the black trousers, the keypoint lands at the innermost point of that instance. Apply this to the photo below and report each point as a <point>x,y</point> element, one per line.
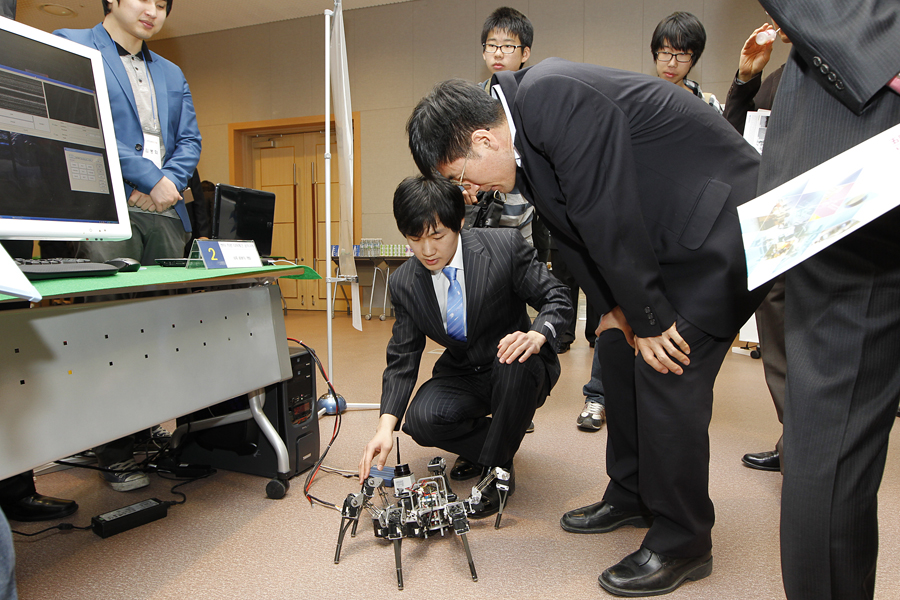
<point>561,272</point>
<point>657,453</point>
<point>16,487</point>
<point>481,416</point>
<point>770,325</point>
<point>842,324</point>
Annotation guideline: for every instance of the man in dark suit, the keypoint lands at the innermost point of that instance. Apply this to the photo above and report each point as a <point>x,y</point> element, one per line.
<point>639,184</point>
<point>466,290</point>
<point>750,92</point>
<point>842,306</point>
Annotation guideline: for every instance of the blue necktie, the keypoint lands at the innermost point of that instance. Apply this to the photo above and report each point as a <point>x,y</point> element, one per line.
<point>456,311</point>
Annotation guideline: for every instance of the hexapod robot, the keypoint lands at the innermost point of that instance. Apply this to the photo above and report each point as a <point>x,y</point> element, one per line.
<point>423,508</point>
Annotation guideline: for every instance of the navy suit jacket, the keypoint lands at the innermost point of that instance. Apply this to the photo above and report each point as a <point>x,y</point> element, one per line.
<point>639,182</point>
<point>178,120</point>
<point>502,275</point>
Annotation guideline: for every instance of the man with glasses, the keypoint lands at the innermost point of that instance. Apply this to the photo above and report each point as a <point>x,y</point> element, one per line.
<point>506,38</point>
<point>677,44</point>
<point>639,184</point>
<point>467,290</point>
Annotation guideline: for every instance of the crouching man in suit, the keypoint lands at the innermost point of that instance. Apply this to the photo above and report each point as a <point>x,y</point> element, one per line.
<point>467,291</point>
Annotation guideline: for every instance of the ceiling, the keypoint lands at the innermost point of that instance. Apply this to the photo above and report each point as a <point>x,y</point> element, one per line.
<point>190,17</point>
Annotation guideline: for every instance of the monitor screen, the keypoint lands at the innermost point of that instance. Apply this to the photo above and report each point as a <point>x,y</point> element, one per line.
<point>59,169</point>
<point>244,214</point>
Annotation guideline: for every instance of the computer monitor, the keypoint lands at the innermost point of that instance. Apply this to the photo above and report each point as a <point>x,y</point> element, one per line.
<point>59,169</point>
<point>244,214</point>
<point>60,177</point>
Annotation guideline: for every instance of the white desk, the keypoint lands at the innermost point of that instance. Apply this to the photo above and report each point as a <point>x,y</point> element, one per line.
<point>76,376</point>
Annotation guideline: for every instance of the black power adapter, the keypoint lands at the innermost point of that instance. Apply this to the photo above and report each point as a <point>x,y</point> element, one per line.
<point>169,465</point>
<point>129,517</point>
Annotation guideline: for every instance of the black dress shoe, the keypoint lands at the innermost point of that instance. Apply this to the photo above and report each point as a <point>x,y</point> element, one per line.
<point>38,508</point>
<point>464,469</point>
<point>646,573</point>
<point>602,517</point>
<point>764,461</point>
<point>490,497</point>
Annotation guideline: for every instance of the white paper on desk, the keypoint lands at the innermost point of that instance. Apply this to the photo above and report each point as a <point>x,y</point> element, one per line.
<point>787,225</point>
<point>13,280</point>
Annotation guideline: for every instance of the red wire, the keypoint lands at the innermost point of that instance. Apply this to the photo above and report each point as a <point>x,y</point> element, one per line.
<point>336,421</point>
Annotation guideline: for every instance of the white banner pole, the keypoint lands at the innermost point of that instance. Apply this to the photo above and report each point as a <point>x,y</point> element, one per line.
<point>328,278</point>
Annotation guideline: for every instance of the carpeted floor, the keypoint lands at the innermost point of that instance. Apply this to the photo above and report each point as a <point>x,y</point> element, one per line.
<point>228,541</point>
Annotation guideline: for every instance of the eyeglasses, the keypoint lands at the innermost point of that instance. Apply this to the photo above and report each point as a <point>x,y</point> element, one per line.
<point>682,57</point>
<point>459,182</point>
<point>505,49</point>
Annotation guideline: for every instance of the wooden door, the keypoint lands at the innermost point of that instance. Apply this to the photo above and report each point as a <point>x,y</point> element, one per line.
<point>293,168</point>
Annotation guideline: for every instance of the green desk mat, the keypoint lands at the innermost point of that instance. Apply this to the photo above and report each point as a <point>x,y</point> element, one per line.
<point>156,275</point>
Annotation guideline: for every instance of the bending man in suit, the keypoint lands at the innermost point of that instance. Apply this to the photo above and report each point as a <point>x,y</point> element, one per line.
<point>842,306</point>
<point>498,366</point>
<point>159,147</point>
<point>639,184</point>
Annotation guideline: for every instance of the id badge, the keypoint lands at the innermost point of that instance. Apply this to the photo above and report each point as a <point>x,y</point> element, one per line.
<point>152,150</point>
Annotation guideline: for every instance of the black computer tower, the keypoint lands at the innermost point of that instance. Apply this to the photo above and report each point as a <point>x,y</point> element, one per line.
<point>291,408</point>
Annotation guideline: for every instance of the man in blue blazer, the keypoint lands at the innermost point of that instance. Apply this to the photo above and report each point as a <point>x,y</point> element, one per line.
<point>156,129</point>
<point>159,147</point>
<point>498,366</point>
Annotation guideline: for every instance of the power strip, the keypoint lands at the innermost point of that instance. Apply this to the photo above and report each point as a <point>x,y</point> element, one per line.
<point>129,517</point>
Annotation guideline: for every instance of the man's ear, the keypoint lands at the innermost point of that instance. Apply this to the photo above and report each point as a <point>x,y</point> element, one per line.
<point>483,138</point>
<point>526,54</point>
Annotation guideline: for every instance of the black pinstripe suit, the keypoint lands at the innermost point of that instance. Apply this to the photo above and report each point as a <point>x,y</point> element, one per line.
<point>842,306</point>
<point>451,410</point>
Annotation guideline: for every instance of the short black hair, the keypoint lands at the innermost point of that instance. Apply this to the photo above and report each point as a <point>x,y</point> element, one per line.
<point>421,204</point>
<point>683,31</point>
<point>107,9</point>
<point>441,125</point>
<point>509,20</point>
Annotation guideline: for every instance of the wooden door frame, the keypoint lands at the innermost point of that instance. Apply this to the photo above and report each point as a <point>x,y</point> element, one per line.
<point>240,163</point>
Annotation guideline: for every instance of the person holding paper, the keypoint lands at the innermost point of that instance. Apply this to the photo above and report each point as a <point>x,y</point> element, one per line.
<point>842,305</point>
